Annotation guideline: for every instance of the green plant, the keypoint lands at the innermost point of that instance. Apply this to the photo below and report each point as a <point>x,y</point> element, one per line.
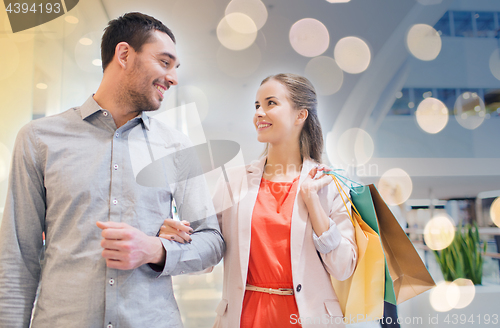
<point>464,257</point>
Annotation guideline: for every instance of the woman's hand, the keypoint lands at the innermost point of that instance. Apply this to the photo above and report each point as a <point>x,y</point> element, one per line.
<point>311,185</point>
<point>178,231</point>
<point>309,192</point>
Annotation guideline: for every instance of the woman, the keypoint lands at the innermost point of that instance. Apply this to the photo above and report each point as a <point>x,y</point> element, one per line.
<point>276,268</point>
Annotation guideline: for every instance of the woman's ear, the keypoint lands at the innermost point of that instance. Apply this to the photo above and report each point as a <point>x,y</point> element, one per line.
<point>302,116</point>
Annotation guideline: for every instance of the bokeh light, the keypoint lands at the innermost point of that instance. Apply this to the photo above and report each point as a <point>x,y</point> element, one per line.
<point>325,75</point>
<point>71,19</point>
<point>470,110</point>
<point>97,62</point>
<point>495,63</point>
<point>41,86</point>
<point>236,31</point>
<point>432,115</point>
<point>239,63</point>
<point>255,9</point>
<point>86,54</point>
<point>355,147</point>
<point>495,211</point>
<point>309,37</point>
<point>86,41</point>
<point>423,42</point>
<point>444,296</point>
<point>4,162</point>
<point>439,232</point>
<point>467,292</point>
<point>9,57</point>
<point>395,186</point>
<point>352,55</point>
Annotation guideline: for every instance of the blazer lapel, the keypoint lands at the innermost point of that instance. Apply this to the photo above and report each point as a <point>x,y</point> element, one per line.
<point>300,217</point>
<point>245,211</point>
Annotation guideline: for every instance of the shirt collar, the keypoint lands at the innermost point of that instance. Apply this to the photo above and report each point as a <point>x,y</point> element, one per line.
<point>145,119</point>
<point>90,107</point>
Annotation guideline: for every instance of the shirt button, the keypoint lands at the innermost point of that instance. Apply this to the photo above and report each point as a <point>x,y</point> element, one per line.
<point>115,166</point>
<point>299,288</point>
<point>105,113</point>
<point>117,134</point>
<point>111,281</point>
<point>115,201</point>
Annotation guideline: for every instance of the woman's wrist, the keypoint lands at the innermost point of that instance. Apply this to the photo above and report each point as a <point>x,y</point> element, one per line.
<point>309,197</point>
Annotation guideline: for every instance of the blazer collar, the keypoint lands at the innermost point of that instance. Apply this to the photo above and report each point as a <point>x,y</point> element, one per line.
<point>300,220</point>
<point>257,165</point>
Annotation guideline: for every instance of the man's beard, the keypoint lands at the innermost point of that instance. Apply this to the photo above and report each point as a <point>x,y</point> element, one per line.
<point>137,95</point>
<point>141,102</point>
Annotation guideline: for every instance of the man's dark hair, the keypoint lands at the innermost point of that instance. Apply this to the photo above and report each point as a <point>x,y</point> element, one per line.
<point>134,28</point>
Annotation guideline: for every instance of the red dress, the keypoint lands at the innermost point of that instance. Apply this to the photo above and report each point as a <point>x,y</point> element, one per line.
<point>270,263</point>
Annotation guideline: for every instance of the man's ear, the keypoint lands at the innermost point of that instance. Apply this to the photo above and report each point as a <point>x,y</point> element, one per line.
<point>122,54</point>
<point>302,116</point>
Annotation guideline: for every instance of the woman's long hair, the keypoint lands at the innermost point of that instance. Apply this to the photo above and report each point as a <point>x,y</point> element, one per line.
<point>303,96</point>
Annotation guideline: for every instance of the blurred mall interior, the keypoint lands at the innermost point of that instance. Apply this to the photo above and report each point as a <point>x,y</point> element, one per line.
<point>409,99</point>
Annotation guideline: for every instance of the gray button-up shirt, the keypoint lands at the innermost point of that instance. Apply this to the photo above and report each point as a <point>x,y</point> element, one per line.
<point>71,170</point>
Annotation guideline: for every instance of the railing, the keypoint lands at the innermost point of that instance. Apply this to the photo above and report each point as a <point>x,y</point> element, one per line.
<point>482,231</point>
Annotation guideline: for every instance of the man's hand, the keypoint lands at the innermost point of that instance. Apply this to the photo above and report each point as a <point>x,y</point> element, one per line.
<point>176,230</point>
<point>127,248</point>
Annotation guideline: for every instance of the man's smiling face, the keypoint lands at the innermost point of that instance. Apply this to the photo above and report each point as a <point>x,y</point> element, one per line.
<point>153,70</point>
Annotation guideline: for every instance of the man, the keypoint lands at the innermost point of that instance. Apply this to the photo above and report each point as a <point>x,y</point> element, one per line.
<point>74,178</point>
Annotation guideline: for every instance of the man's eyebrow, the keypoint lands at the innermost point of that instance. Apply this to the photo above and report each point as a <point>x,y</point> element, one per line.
<point>171,56</point>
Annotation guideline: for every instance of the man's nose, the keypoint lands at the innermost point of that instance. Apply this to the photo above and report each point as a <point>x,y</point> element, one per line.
<point>172,76</point>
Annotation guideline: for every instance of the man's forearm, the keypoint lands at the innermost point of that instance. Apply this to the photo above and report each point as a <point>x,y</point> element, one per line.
<point>206,250</point>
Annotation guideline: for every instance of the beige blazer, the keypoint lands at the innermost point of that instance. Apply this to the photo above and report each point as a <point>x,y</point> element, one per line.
<point>315,297</point>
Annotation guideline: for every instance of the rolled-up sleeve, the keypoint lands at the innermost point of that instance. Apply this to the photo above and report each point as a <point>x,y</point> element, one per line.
<point>340,257</point>
<point>329,240</point>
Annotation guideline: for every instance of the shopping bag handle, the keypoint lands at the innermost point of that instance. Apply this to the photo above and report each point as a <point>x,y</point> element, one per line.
<point>341,191</point>
<point>341,178</point>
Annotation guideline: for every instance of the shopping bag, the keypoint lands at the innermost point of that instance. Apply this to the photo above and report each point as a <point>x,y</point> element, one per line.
<point>361,296</point>
<point>409,274</point>
<point>361,198</point>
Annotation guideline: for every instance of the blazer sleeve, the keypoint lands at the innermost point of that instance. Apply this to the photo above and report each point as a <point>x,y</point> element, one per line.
<point>337,246</point>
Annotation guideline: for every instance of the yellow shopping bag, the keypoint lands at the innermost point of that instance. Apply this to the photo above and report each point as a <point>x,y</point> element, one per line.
<point>361,297</point>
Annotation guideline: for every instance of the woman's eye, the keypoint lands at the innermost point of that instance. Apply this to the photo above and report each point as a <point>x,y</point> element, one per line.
<point>257,107</point>
<point>271,103</point>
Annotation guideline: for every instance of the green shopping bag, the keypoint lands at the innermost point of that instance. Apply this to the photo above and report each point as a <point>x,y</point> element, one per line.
<point>362,199</point>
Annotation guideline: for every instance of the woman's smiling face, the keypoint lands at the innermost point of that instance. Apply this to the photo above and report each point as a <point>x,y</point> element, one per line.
<point>275,117</point>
